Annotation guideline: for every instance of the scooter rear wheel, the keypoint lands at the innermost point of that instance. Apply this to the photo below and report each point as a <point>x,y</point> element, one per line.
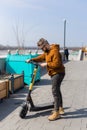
<point>23,111</point>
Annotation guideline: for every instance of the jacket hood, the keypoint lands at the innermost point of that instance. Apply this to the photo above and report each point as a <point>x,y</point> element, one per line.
<point>55,46</point>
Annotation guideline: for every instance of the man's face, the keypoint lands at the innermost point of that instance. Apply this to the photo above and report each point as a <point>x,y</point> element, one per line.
<point>45,48</point>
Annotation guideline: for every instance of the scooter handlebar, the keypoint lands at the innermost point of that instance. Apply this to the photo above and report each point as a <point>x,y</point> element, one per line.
<point>34,63</point>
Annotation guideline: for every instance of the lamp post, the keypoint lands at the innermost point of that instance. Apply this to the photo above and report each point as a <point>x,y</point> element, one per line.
<point>64,37</point>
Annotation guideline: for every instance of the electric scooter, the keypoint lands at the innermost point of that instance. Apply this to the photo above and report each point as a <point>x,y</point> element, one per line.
<point>29,105</point>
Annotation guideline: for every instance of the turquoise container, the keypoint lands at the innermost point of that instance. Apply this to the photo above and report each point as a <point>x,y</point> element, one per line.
<point>15,64</point>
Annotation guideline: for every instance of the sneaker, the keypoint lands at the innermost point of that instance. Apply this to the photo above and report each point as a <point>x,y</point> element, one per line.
<point>61,111</point>
<point>55,115</point>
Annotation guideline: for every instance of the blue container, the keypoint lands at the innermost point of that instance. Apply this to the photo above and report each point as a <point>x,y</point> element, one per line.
<point>15,64</point>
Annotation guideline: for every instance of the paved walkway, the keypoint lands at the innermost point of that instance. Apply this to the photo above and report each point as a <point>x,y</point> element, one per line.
<point>74,90</point>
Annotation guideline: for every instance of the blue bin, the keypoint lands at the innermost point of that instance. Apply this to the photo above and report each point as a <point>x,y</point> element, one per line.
<point>15,64</point>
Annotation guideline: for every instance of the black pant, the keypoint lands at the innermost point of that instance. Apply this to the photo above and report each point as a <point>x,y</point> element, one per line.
<point>56,82</point>
<point>66,56</point>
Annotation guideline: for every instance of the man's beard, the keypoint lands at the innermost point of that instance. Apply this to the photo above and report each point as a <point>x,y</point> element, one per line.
<point>46,50</point>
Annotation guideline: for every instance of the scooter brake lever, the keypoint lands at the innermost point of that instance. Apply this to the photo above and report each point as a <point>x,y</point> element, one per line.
<point>34,63</point>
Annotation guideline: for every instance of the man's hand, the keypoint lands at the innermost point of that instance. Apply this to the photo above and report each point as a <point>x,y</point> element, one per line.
<point>43,64</point>
<point>28,61</point>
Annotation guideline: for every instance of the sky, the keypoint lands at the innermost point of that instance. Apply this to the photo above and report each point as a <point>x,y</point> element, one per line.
<point>24,22</point>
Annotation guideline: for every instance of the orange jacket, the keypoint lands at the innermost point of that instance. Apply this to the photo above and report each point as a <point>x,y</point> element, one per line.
<point>53,59</point>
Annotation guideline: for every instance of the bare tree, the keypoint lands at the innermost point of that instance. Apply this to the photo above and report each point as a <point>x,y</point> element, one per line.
<point>19,35</point>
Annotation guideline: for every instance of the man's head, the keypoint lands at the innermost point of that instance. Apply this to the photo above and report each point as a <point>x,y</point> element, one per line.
<point>43,44</point>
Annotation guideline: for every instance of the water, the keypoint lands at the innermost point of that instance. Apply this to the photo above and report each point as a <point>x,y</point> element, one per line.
<point>3,52</point>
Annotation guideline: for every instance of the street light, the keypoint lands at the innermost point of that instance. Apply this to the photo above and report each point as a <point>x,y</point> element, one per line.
<point>64,36</point>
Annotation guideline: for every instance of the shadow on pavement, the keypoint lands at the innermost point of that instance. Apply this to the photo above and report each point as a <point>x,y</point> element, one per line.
<point>78,113</point>
<point>10,104</point>
<point>43,82</point>
<point>64,62</point>
<point>38,114</point>
<point>41,113</point>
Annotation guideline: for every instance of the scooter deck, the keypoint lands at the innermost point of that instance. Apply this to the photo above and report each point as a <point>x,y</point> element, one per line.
<point>42,107</point>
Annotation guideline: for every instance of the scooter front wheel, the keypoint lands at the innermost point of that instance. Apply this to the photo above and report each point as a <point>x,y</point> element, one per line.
<point>23,111</point>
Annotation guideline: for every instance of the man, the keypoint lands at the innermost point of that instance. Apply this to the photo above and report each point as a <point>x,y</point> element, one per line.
<point>66,53</point>
<point>56,69</point>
